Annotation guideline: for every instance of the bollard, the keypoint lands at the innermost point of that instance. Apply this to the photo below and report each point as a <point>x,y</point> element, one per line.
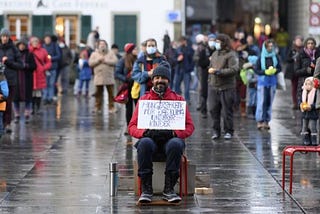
<point>113,171</point>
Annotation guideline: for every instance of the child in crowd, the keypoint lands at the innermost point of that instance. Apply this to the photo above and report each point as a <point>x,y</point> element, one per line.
<point>85,73</point>
<point>249,78</point>
<point>4,93</point>
<point>309,112</point>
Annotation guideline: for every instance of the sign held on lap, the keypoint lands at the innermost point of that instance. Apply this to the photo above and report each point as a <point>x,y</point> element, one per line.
<point>162,114</point>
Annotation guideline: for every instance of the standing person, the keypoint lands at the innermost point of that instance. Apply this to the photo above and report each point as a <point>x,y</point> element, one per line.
<point>103,61</point>
<point>169,142</point>
<point>25,82</point>
<point>223,69</point>
<point>54,52</point>
<point>4,93</point>
<point>282,40</point>
<point>144,66</point>
<point>64,67</point>
<point>309,112</point>
<point>184,68</point>
<point>171,56</point>
<point>297,46</point>
<point>85,74</point>
<point>268,65</point>
<point>115,49</point>
<point>11,58</point>
<point>123,73</point>
<point>43,64</point>
<point>204,51</point>
<point>305,63</point>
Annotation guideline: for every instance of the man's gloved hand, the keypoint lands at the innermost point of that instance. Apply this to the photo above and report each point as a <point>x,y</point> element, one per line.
<point>270,71</point>
<point>159,136</point>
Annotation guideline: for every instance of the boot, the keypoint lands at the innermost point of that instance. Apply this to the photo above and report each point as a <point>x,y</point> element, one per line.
<point>243,108</point>
<point>147,190</point>
<point>168,191</point>
<point>306,139</point>
<point>314,139</point>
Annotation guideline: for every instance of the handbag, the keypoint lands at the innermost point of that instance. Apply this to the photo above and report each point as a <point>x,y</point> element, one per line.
<point>123,94</point>
<point>281,83</point>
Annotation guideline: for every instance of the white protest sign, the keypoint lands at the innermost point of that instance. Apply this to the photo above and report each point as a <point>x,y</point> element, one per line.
<point>162,114</point>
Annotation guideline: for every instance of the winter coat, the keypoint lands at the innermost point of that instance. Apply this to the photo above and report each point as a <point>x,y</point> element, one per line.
<point>55,54</point>
<point>121,71</point>
<point>43,63</point>
<point>24,88</point>
<point>103,67</point>
<point>169,95</point>
<point>13,63</point>
<point>291,58</point>
<point>302,63</point>
<point>85,71</point>
<point>187,64</point>
<point>140,72</point>
<point>227,64</point>
<point>66,59</point>
<point>267,80</point>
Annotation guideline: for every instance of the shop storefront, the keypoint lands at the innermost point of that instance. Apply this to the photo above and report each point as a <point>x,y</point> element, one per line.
<point>118,21</point>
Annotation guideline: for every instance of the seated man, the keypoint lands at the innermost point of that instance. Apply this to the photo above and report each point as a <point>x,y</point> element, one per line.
<point>169,142</point>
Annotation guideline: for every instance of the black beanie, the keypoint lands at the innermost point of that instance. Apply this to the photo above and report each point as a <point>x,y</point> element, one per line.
<point>162,71</point>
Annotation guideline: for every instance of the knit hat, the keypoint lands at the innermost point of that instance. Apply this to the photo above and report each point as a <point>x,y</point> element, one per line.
<point>162,71</point>
<point>4,32</point>
<point>128,48</point>
<point>247,65</point>
<point>212,36</point>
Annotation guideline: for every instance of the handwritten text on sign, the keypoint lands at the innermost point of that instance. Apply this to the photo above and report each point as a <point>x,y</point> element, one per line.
<point>164,114</point>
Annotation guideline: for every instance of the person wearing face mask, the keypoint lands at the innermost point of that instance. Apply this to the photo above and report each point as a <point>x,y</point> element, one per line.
<point>103,61</point>
<point>223,68</point>
<point>152,142</point>
<point>145,64</point>
<point>204,51</point>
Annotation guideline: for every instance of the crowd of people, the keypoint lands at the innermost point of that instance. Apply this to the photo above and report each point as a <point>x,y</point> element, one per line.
<point>239,73</point>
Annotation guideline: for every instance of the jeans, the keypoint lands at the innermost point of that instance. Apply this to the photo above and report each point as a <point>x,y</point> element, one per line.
<point>48,92</point>
<point>146,148</point>
<point>265,96</point>
<point>180,75</point>
<point>86,85</point>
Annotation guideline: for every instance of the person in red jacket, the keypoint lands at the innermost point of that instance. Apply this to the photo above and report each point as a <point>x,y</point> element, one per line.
<point>151,142</point>
<point>43,62</point>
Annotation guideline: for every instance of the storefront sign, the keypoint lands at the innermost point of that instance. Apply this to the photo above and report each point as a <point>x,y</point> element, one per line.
<point>52,4</point>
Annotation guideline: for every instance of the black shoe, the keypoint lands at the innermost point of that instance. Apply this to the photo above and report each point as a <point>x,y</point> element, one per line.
<point>171,197</point>
<point>147,191</point>
<point>16,119</point>
<point>168,190</point>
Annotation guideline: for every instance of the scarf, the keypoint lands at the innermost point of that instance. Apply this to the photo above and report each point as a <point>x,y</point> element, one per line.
<point>265,54</point>
<point>310,53</point>
<point>308,96</point>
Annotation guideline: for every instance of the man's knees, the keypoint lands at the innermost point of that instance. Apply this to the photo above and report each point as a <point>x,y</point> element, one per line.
<point>176,144</point>
<point>145,144</point>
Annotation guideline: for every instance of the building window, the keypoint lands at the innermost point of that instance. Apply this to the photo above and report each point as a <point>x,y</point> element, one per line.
<point>66,27</point>
<point>18,26</point>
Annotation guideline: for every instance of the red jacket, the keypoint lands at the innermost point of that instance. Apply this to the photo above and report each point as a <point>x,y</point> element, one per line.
<point>169,95</point>
<point>43,63</point>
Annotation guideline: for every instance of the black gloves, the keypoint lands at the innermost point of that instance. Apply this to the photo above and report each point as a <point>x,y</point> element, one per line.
<point>159,136</point>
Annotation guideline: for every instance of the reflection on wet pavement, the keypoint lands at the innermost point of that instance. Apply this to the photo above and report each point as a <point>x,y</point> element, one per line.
<point>58,163</point>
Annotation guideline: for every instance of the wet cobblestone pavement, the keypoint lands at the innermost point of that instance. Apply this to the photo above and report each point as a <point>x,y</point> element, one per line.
<point>58,163</point>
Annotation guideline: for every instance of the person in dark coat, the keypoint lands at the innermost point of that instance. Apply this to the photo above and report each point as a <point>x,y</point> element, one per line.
<point>10,56</point>
<point>25,82</point>
<point>297,45</point>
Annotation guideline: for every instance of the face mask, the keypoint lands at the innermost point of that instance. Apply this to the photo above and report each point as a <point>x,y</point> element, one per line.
<point>212,44</point>
<point>218,46</point>
<point>151,50</point>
